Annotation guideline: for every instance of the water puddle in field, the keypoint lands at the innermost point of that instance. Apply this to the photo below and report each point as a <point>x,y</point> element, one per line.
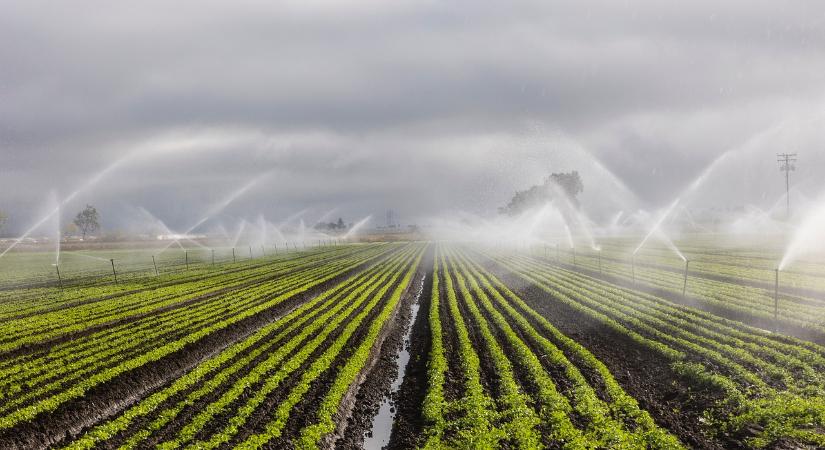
<point>382,423</point>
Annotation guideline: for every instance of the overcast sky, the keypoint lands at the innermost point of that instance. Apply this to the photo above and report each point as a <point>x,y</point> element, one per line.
<point>419,106</point>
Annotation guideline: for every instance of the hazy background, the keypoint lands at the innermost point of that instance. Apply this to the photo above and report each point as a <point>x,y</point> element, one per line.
<point>426,108</point>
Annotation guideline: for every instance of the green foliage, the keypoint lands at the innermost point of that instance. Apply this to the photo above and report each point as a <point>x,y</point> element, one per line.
<point>568,185</point>
<point>772,381</point>
<point>87,221</point>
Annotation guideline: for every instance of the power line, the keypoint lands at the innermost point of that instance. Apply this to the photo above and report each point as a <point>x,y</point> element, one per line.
<point>786,165</point>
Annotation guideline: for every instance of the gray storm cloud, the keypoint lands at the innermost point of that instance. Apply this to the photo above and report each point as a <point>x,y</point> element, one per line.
<point>421,107</point>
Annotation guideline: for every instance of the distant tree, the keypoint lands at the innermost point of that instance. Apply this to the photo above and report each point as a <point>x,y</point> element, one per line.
<point>87,221</point>
<point>570,182</point>
<point>331,226</point>
<point>570,185</point>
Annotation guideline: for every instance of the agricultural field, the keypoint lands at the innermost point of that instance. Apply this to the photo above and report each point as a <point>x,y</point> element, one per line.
<point>378,225</point>
<point>735,282</point>
<point>501,349</point>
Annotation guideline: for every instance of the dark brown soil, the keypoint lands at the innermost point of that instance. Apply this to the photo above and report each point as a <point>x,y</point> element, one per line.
<point>304,413</point>
<point>409,425</point>
<point>378,381</point>
<point>645,375</point>
<point>110,397</point>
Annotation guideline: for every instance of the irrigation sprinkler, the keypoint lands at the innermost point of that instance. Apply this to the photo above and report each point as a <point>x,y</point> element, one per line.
<point>276,248</point>
<point>776,300</point>
<point>186,258</point>
<point>114,272</point>
<point>213,256</point>
<point>600,261</point>
<point>59,279</point>
<point>233,255</point>
<point>155,264</point>
<point>573,250</point>
<point>263,250</point>
<point>557,253</point>
<point>633,267</point>
<point>250,252</point>
<point>684,287</point>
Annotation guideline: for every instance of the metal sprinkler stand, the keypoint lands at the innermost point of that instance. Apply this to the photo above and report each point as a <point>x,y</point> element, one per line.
<point>684,287</point>
<point>213,256</point>
<point>633,267</point>
<point>600,261</point>
<point>155,264</point>
<point>233,255</point>
<point>263,250</point>
<point>114,272</point>
<point>186,259</point>
<point>776,300</point>
<point>573,250</point>
<point>250,252</point>
<point>59,279</point>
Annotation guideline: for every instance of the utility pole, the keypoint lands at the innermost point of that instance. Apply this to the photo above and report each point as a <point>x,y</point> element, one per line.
<point>786,161</point>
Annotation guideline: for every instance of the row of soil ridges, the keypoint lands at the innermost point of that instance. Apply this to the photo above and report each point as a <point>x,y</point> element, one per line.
<point>28,307</point>
<point>797,311</point>
<point>499,375</point>
<point>743,386</point>
<point>296,351</point>
<point>51,391</point>
<point>751,262</point>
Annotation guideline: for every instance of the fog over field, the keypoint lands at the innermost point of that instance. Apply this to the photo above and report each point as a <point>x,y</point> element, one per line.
<point>426,108</point>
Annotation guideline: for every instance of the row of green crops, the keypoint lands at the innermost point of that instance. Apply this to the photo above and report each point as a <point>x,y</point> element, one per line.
<point>82,267</point>
<point>48,323</point>
<point>772,381</point>
<point>37,382</point>
<point>518,398</point>
<point>23,302</point>
<point>742,265</point>
<point>737,299</point>
<point>219,401</point>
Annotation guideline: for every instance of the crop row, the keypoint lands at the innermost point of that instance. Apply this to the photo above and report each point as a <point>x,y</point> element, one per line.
<point>95,311</point>
<point>221,399</point>
<point>740,265</point>
<point>738,299</point>
<point>774,382</point>
<point>20,302</point>
<point>530,394</point>
<point>33,385</point>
